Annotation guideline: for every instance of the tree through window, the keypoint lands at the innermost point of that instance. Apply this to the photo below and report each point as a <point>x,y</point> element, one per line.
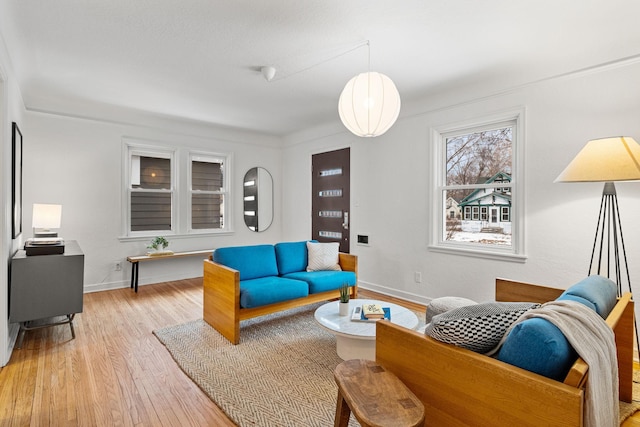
<point>478,178</point>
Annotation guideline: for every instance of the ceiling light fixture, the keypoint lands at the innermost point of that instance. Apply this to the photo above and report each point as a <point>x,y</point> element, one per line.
<point>369,103</point>
<point>268,72</point>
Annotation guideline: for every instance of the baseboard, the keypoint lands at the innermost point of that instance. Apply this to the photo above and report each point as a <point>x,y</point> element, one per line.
<point>407,296</point>
<point>108,286</point>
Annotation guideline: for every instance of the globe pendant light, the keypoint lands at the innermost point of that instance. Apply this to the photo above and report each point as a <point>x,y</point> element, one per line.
<point>369,104</point>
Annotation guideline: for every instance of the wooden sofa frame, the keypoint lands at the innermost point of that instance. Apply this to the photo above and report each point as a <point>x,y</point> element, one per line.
<point>461,388</point>
<point>221,299</point>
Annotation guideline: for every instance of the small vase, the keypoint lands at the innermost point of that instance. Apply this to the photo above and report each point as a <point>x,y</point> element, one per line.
<point>343,308</point>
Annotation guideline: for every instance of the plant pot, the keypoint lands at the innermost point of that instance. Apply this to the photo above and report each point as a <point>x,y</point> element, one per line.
<point>343,308</point>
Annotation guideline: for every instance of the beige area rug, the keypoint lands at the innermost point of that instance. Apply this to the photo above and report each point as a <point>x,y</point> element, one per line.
<point>281,373</point>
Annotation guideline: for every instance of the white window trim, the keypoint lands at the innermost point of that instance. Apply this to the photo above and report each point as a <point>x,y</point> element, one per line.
<point>131,147</point>
<point>181,189</point>
<point>516,252</point>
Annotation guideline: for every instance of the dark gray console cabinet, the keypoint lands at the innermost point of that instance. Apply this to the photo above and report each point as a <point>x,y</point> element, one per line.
<point>45,287</point>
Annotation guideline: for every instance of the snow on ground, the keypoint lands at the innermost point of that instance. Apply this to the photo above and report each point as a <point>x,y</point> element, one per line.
<point>485,238</point>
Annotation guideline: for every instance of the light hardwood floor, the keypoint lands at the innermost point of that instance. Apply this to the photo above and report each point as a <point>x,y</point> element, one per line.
<point>115,372</point>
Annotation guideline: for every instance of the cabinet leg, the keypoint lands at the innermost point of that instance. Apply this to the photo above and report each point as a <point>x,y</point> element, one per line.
<point>73,332</point>
<point>21,335</point>
<point>24,327</point>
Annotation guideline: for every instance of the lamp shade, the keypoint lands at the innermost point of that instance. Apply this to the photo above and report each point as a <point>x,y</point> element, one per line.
<point>46,216</point>
<point>369,104</point>
<point>605,160</point>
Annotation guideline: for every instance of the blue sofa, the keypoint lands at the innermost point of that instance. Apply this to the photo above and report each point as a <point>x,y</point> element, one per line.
<point>242,282</point>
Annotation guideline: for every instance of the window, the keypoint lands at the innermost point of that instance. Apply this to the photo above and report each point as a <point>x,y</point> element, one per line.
<point>208,192</point>
<point>151,190</point>
<point>505,214</point>
<point>477,166</point>
<point>159,202</point>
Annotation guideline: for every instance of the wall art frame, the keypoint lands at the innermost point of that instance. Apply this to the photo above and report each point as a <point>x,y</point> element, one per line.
<point>16,188</point>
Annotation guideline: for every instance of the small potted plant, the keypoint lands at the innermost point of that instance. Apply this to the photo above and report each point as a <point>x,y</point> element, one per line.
<point>344,299</point>
<point>158,244</point>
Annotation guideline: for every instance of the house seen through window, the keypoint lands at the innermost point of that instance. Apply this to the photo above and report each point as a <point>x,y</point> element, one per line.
<point>207,193</point>
<point>159,202</point>
<point>151,193</point>
<point>477,186</point>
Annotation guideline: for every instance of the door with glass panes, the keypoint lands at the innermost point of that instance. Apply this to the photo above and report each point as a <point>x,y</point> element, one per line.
<point>330,185</point>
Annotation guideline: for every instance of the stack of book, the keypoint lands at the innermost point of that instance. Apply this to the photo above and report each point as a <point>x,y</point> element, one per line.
<point>370,313</point>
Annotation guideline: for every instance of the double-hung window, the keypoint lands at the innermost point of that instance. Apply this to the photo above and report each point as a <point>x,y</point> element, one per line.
<point>151,190</point>
<point>478,165</point>
<point>171,191</point>
<point>208,191</point>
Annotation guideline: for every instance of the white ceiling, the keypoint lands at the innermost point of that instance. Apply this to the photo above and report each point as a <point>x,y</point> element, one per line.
<point>200,59</point>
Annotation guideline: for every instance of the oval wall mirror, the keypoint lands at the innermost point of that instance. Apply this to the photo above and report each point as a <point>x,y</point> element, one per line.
<point>258,199</point>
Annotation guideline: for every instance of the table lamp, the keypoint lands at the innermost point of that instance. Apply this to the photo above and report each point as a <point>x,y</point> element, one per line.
<point>45,219</point>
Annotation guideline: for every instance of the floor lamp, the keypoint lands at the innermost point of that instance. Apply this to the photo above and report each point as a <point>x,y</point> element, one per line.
<point>607,160</point>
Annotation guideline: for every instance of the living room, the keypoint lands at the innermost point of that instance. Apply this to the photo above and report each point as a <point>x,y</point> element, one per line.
<point>77,161</point>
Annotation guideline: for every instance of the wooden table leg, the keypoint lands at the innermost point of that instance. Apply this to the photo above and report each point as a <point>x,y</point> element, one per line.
<point>375,396</point>
<point>342,412</point>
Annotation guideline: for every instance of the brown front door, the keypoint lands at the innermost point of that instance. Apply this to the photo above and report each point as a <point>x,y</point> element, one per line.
<point>330,185</point>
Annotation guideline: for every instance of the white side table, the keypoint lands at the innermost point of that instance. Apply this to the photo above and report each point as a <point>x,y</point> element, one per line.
<point>357,340</point>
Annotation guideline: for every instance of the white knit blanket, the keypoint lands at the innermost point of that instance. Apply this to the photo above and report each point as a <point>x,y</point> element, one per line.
<point>594,341</point>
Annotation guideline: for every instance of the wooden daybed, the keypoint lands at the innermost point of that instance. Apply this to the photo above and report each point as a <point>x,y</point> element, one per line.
<point>461,388</point>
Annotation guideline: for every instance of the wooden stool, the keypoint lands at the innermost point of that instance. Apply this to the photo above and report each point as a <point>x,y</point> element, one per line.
<point>376,397</point>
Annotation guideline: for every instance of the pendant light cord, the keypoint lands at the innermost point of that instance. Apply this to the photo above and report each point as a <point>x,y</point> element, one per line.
<point>358,46</point>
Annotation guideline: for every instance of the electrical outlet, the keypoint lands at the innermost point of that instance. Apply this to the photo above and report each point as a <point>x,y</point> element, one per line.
<point>418,277</point>
<point>118,266</point>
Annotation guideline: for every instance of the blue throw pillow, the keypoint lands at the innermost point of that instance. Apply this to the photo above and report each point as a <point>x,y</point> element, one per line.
<point>537,345</point>
<point>291,256</point>
<point>251,261</point>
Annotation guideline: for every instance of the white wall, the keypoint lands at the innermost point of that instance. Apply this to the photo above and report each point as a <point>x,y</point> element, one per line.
<point>78,163</point>
<point>390,178</point>
<point>11,109</point>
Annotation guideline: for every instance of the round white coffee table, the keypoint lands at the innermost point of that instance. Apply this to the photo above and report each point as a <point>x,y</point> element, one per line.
<point>357,340</point>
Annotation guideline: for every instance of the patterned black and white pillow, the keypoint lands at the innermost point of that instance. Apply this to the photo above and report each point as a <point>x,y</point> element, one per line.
<point>477,327</point>
<point>443,304</point>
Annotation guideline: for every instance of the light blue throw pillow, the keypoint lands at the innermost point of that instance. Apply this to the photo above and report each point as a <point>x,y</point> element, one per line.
<point>601,292</point>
